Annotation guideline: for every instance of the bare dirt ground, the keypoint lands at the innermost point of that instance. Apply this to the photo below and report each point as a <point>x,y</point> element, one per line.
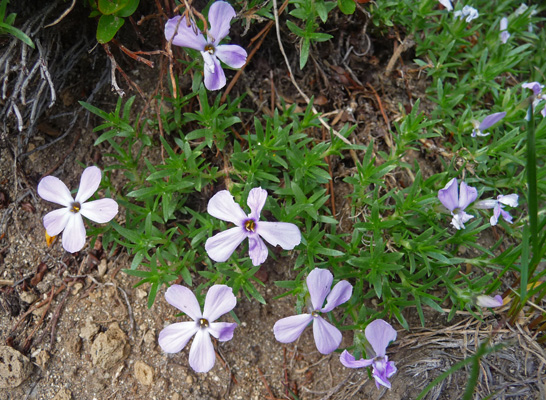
<point>74,326</point>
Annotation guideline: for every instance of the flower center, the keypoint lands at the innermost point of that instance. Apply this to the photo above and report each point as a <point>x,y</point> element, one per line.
<point>250,225</point>
<point>315,314</point>
<point>456,211</point>
<point>75,207</point>
<point>203,323</point>
<point>209,48</point>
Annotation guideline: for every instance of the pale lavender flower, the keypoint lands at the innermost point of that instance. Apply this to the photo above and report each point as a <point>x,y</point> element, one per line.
<point>327,337</point>
<point>468,13</point>
<point>487,123</point>
<point>537,92</point>
<point>173,338</point>
<point>457,202</point>
<point>504,34</point>
<point>498,207</point>
<point>447,4</point>
<point>488,301</point>
<point>69,219</point>
<point>220,15</point>
<point>379,334</point>
<point>222,245</point>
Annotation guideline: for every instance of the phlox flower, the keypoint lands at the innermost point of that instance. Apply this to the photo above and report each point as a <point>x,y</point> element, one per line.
<point>539,96</point>
<point>504,34</point>
<point>220,15</point>
<point>468,13</point>
<point>69,219</point>
<point>488,301</point>
<point>447,4</point>
<point>219,301</point>
<point>379,334</point>
<point>456,202</point>
<point>498,207</point>
<point>222,245</point>
<point>327,337</point>
<point>487,123</point>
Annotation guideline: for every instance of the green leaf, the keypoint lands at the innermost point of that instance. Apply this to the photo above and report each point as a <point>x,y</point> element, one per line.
<point>108,7</point>
<point>17,33</point>
<point>347,6</point>
<point>129,9</point>
<point>108,26</point>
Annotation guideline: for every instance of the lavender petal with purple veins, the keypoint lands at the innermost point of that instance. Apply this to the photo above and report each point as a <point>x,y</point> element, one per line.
<point>379,334</point>
<point>173,338</point>
<point>456,202</point>
<point>488,301</point>
<point>220,15</point>
<point>327,337</point>
<point>497,205</point>
<point>223,244</point>
<point>487,123</point>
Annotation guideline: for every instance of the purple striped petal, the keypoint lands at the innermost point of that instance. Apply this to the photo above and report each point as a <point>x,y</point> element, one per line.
<point>55,221</point>
<point>467,195</point>
<point>220,16</point>
<point>379,334</point>
<point>348,360</point>
<point>449,196</point>
<point>89,183</point>
<point>488,301</point>
<point>506,215</point>
<point>175,337</point>
<point>534,86</point>
<point>256,201</point>
<point>223,244</point>
<point>491,120</point>
<point>257,250</point>
<point>288,329</point>
<point>319,283</point>
<point>223,206</point>
<point>460,219</point>
<point>327,336</point>
<point>219,301</point>
<point>74,233</point>
<point>186,36</point>
<point>341,293</point>
<point>383,369</point>
<point>183,298</point>
<point>215,79</point>
<point>223,331</point>
<point>282,234</point>
<point>100,211</point>
<point>232,55</point>
<point>53,189</point>
<point>202,355</point>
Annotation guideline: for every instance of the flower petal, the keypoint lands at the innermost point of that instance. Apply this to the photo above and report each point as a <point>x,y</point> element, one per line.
<point>534,86</point>
<point>53,189</point>
<point>449,196</point>
<point>256,201</point>
<point>488,301</point>
<point>74,233</point>
<point>282,234</point>
<point>447,4</point>
<point>186,36</point>
<point>460,219</point>
<point>202,355</point>
<point>183,298</point>
<point>503,23</point>
<point>340,293</point>
<point>486,204</point>
<point>491,120</point>
<point>89,183</point>
<point>382,370</point>
<point>506,215</point>
<point>319,283</point>
<point>223,244</point>
<point>223,331</point>
<point>219,301</point>
<point>220,16</point>
<point>504,36</point>
<point>223,206</point>
<point>215,79</point>
<point>348,360</point>
<point>467,195</point>
<point>100,211</point>
<point>496,214</point>
<point>232,55</point>
<point>56,220</point>
<point>257,250</point>
<point>175,337</point>
<point>327,336</point>
<point>379,334</point>
<point>509,200</point>
<point>288,329</point>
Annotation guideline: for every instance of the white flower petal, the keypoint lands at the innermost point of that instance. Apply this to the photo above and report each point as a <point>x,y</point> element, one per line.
<point>89,183</point>
<point>223,206</point>
<point>282,234</point>
<point>202,355</point>
<point>74,233</point>
<point>256,201</point>
<point>509,200</point>
<point>257,250</point>
<point>183,298</point>
<point>223,244</point>
<point>288,329</point>
<point>55,221</point>
<point>215,78</point>
<point>174,337</point>
<point>219,301</point>
<point>100,211</point>
<point>53,189</point>
<point>223,331</point>
<point>232,55</point>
